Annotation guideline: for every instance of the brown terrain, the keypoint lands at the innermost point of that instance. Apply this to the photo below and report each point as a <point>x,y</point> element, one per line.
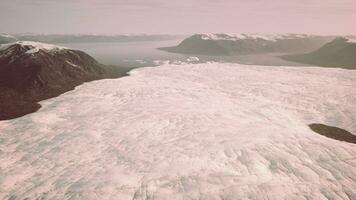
<point>29,74</point>
<point>333,132</point>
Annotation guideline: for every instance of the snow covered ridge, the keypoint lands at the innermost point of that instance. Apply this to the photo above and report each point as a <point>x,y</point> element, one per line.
<point>236,37</point>
<point>206,131</point>
<point>33,47</point>
<point>351,40</point>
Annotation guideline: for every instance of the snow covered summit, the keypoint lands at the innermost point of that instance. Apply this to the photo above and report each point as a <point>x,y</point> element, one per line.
<point>32,47</point>
<point>235,37</point>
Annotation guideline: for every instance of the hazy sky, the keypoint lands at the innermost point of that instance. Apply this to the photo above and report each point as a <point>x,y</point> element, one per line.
<point>178,16</point>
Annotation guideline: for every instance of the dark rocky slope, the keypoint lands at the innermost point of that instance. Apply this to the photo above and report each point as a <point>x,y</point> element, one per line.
<point>224,44</point>
<point>341,52</point>
<point>31,72</point>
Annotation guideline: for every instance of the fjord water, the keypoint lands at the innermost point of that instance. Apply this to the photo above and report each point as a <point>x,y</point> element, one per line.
<point>137,54</point>
<point>145,53</point>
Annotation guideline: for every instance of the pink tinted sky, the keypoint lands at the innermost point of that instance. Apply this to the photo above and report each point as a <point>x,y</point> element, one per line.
<point>178,16</point>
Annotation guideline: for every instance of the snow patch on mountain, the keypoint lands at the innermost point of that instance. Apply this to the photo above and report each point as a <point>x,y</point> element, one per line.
<point>196,131</point>
<point>72,64</point>
<point>351,40</point>
<point>236,37</point>
<point>33,47</point>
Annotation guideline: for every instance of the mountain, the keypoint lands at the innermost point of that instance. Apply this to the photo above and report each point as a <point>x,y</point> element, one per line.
<point>341,52</point>
<point>32,71</point>
<point>57,38</point>
<point>242,44</point>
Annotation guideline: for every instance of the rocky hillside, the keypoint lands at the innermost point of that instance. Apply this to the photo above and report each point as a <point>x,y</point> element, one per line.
<point>31,72</point>
<point>340,52</point>
<point>242,44</point>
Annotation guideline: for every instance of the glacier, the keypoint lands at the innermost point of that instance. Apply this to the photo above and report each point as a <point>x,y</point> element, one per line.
<point>191,131</point>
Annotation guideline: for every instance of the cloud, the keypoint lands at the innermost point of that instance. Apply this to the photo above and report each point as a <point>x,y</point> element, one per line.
<point>184,16</point>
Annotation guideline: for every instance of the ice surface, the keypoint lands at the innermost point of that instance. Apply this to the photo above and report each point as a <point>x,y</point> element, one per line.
<point>189,60</point>
<point>193,59</point>
<point>194,131</point>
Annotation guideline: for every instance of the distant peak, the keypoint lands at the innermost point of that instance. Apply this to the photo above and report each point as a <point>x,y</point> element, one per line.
<point>235,37</point>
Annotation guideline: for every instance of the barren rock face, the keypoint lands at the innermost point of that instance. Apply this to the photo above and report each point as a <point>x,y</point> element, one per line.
<point>32,71</point>
<point>204,131</point>
<point>31,66</point>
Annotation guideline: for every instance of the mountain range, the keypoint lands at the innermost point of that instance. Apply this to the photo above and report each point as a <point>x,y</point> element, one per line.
<point>57,38</point>
<point>243,44</point>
